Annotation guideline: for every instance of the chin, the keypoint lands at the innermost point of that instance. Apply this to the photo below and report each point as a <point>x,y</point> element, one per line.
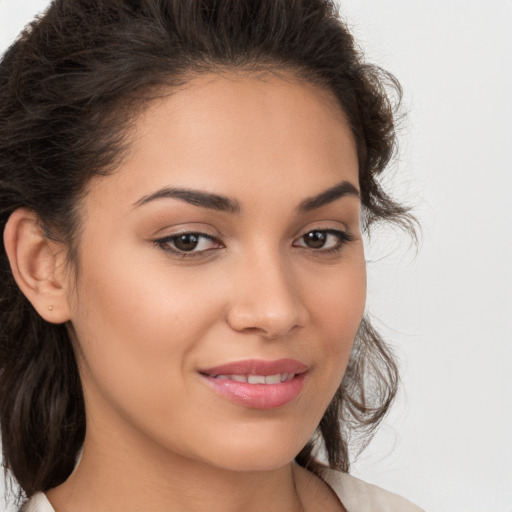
<point>252,462</point>
<point>253,452</point>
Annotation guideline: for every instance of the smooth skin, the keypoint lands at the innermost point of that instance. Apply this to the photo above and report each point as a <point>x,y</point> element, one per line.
<point>265,280</point>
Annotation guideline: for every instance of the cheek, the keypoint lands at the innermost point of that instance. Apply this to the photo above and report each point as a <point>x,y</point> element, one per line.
<point>142,301</point>
<point>336,306</point>
<point>137,325</point>
<point>337,301</point>
<point>343,309</point>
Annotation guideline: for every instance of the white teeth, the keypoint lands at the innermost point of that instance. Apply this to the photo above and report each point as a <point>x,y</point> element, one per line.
<point>258,379</point>
<point>238,378</point>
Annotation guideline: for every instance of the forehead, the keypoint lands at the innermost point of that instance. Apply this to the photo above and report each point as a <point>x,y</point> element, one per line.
<point>231,131</point>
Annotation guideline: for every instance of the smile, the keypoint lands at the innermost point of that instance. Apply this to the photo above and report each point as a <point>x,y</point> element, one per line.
<point>258,384</point>
<point>258,379</point>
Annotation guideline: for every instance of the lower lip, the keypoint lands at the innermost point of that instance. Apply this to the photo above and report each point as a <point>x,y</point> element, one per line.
<point>258,396</point>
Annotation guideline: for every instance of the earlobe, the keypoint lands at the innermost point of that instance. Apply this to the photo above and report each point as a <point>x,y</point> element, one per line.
<point>38,265</point>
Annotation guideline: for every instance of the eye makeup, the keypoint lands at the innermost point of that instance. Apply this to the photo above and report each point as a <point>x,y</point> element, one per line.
<point>193,244</point>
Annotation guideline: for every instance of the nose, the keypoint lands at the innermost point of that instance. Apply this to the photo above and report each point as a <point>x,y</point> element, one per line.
<point>266,299</point>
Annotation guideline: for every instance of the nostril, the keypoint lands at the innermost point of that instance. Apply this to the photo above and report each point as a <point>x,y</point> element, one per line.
<point>268,323</point>
<point>264,299</point>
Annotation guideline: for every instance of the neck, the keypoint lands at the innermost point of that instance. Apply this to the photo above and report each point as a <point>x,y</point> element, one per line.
<point>117,476</point>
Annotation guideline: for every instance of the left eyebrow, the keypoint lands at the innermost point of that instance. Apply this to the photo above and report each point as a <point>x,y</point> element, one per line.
<point>194,197</point>
<point>345,188</point>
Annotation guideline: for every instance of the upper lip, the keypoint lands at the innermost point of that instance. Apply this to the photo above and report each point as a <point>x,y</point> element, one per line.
<point>257,367</point>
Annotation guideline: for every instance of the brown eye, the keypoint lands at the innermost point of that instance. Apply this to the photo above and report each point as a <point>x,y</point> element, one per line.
<point>323,240</point>
<point>189,244</point>
<point>315,239</point>
<point>186,242</point>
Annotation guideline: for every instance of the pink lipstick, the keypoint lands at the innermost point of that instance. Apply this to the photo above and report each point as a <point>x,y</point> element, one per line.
<point>256,383</point>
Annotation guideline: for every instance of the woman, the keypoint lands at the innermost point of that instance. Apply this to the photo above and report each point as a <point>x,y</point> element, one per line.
<point>183,275</point>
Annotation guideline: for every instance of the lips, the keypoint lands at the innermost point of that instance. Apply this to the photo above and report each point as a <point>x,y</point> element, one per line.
<point>258,384</point>
<point>258,379</point>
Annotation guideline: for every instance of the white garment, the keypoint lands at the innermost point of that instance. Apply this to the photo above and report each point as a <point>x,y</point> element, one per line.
<point>359,496</point>
<point>356,496</point>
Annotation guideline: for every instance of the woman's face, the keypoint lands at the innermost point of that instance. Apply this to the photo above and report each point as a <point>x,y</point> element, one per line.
<point>221,275</point>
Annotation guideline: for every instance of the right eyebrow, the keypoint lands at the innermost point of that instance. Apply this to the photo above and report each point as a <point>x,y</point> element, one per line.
<point>194,197</point>
<point>345,188</point>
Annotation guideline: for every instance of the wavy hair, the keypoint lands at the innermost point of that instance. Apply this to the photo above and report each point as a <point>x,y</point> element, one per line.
<point>70,86</point>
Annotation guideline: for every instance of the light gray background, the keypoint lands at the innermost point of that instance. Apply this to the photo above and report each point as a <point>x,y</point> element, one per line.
<point>447,444</point>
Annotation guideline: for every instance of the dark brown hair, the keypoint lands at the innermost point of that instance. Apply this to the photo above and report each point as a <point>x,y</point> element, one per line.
<point>69,87</point>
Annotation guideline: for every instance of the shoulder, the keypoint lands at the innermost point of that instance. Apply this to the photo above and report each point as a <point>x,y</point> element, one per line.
<point>38,503</point>
<point>359,496</point>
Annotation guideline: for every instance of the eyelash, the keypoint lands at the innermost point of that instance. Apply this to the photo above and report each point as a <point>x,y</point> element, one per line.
<point>164,243</point>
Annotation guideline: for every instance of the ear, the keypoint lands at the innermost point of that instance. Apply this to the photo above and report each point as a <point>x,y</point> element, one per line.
<point>38,265</point>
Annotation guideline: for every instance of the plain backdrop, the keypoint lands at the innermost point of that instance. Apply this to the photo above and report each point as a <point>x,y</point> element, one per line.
<point>447,307</point>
